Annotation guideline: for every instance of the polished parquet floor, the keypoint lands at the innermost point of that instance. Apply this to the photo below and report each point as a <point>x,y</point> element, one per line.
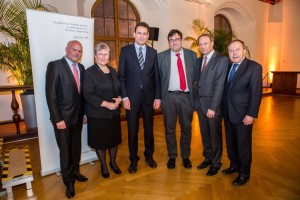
<point>275,167</point>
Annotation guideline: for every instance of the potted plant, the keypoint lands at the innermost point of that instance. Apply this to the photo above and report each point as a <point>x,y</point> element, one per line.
<point>14,50</point>
<point>221,38</point>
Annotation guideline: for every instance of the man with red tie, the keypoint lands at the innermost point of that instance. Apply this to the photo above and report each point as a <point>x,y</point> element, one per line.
<point>65,102</point>
<point>176,68</point>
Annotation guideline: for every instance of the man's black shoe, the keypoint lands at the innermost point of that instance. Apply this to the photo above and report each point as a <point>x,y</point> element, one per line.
<point>212,171</point>
<point>151,162</point>
<point>79,177</point>
<point>204,164</point>
<point>187,163</point>
<point>230,170</point>
<point>171,163</point>
<point>133,167</point>
<point>70,192</point>
<point>240,180</point>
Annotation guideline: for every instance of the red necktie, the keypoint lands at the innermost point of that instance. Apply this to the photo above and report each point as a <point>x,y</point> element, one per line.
<point>204,63</point>
<point>181,73</point>
<point>76,76</point>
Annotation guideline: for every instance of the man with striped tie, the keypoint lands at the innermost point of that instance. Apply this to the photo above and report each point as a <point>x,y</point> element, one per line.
<point>140,91</point>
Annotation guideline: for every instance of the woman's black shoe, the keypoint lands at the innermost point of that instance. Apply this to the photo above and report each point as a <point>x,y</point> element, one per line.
<point>105,174</point>
<point>115,168</point>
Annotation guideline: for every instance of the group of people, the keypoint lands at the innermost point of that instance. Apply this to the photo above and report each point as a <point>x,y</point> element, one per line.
<point>174,80</point>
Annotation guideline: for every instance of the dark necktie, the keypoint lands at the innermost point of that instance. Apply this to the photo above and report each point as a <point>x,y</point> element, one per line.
<point>204,63</point>
<point>141,58</point>
<point>232,72</point>
<point>76,76</point>
<point>181,73</point>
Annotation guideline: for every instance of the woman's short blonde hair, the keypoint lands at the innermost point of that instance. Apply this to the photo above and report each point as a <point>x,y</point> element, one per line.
<point>100,46</point>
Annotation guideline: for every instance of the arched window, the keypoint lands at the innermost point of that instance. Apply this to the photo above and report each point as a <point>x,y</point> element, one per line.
<point>114,24</point>
<point>222,23</point>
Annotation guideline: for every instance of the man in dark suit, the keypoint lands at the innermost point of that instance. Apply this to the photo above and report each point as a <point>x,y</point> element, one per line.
<point>140,91</point>
<point>211,71</point>
<point>241,101</point>
<point>176,69</point>
<point>65,103</point>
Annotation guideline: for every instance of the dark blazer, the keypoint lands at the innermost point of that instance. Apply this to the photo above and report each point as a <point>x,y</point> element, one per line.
<point>164,63</point>
<point>97,88</point>
<point>242,96</point>
<point>63,99</point>
<point>132,78</point>
<point>210,83</point>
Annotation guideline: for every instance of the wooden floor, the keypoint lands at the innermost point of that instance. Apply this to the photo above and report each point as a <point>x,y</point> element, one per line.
<point>275,168</point>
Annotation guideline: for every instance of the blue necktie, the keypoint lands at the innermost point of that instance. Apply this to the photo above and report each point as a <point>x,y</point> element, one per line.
<point>141,58</point>
<point>232,72</point>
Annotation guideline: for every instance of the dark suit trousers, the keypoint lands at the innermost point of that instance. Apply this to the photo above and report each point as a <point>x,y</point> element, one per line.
<point>69,144</point>
<point>133,129</point>
<point>211,133</point>
<point>178,105</point>
<point>239,146</point>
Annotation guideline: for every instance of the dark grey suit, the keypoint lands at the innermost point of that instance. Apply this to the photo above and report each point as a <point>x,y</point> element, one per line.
<point>177,105</point>
<point>65,103</point>
<point>242,96</point>
<point>209,92</point>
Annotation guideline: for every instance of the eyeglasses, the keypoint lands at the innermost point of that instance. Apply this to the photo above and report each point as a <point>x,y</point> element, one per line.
<point>174,40</point>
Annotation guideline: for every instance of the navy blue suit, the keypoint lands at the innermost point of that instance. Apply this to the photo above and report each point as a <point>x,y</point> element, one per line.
<point>241,97</point>
<point>141,87</point>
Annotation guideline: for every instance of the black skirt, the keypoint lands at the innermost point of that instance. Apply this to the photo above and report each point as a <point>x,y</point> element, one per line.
<point>104,133</point>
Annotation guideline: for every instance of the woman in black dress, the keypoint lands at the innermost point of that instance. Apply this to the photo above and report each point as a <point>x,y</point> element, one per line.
<point>101,90</point>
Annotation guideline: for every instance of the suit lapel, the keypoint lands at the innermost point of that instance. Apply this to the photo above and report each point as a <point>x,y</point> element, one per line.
<point>167,60</point>
<point>241,70</point>
<point>135,57</point>
<point>188,67</point>
<point>70,73</point>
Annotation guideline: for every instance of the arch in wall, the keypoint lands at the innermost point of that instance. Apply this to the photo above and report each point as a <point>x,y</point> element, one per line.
<point>237,14</point>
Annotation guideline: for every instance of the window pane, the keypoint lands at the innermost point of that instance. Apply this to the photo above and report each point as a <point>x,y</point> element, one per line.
<point>109,8</point>
<point>131,28</point>
<point>99,26</point>
<point>131,14</point>
<point>99,10</point>
<point>123,28</point>
<point>109,27</point>
<point>123,14</point>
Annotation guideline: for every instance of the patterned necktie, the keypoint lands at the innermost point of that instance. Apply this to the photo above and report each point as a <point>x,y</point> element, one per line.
<point>232,72</point>
<point>204,63</point>
<point>76,76</point>
<point>141,58</point>
<point>181,73</point>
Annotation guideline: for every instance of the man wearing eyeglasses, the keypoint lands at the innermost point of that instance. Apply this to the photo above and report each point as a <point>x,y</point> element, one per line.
<point>176,68</point>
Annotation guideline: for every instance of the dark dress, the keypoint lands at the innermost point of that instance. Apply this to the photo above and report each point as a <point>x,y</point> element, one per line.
<point>104,128</point>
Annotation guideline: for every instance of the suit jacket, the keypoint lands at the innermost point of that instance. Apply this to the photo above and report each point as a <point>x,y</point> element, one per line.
<point>64,101</point>
<point>133,80</point>
<point>210,83</point>
<point>242,96</point>
<point>164,65</point>
<point>97,87</point>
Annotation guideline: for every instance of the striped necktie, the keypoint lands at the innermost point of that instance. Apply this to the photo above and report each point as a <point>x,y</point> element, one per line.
<point>141,58</point>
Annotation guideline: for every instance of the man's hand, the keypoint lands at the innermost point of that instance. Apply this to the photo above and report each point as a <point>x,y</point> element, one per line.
<point>61,125</point>
<point>248,120</point>
<point>156,104</point>
<point>126,104</point>
<point>210,113</point>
